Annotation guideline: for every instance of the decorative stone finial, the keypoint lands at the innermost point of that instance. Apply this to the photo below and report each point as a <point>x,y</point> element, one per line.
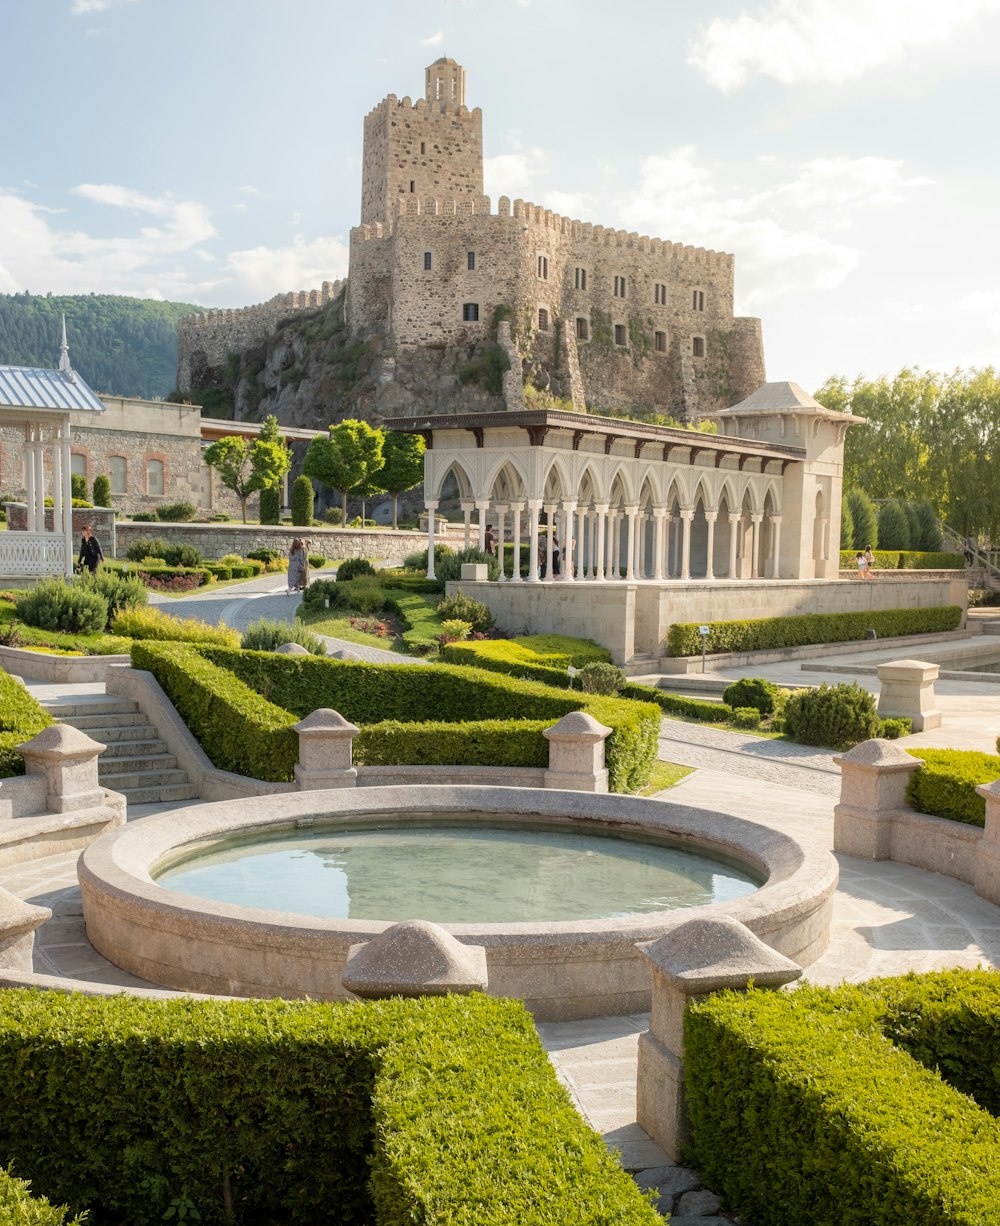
<point>414,958</point>
<point>705,955</point>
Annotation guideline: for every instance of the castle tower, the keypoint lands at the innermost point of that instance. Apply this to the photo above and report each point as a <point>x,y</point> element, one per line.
<point>433,149</point>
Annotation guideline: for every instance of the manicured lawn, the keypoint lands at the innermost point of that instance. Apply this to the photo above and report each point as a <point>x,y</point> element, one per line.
<point>337,625</point>
<point>664,775</point>
<point>31,636</point>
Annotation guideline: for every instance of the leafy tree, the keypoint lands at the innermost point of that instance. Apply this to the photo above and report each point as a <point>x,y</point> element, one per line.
<point>893,526</point>
<point>345,458</point>
<point>863,518</point>
<point>246,466</point>
<point>930,527</point>
<point>402,465</point>
<point>102,490</point>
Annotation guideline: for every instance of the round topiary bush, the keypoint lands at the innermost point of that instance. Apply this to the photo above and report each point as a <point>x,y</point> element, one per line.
<point>177,512</point>
<point>351,568</point>
<point>764,696</point>
<point>834,716</point>
<point>468,610</point>
<point>265,635</point>
<point>54,604</point>
<point>601,678</point>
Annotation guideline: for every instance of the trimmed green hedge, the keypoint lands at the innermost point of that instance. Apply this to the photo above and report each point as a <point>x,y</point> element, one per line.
<point>21,718</point>
<point>905,559</point>
<point>760,634</point>
<point>443,1111</point>
<point>219,693</point>
<point>945,785</point>
<point>680,704</point>
<point>534,657</point>
<point>821,1105</point>
<point>485,742</point>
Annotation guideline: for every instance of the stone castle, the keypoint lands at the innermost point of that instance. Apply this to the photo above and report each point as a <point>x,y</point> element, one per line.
<point>600,318</point>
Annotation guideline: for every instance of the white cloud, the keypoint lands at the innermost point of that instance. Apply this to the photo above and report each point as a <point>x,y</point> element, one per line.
<point>514,174</point>
<point>83,8</point>
<point>433,40</point>
<point>261,272</point>
<point>250,191</point>
<point>795,41</point>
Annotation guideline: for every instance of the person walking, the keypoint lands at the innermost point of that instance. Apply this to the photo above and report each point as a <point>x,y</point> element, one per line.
<point>491,544</point>
<point>869,563</point>
<point>862,565</point>
<point>298,567</point>
<point>91,553</point>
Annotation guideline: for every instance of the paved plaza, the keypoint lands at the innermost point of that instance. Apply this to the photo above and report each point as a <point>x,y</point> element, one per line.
<point>887,918</point>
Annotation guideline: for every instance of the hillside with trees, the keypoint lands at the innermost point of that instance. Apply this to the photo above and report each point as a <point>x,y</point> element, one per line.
<point>121,346</point>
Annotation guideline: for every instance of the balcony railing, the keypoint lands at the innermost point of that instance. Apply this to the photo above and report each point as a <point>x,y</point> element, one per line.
<point>32,553</point>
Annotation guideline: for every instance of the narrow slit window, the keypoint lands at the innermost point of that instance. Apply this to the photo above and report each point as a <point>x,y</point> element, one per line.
<point>698,347</point>
<point>580,279</point>
<point>697,300</point>
<point>543,267</point>
<point>582,328</point>
<point>660,294</point>
<point>471,261</point>
<point>619,287</point>
<point>543,320</point>
<point>621,335</point>
<point>660,342</point>
<point>427,261</point>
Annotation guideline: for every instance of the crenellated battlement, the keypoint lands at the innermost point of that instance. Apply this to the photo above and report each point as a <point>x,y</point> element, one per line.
<point>274,308</point>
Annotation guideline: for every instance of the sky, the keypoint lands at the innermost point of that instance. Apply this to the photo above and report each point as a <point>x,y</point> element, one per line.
<point>209,151</point>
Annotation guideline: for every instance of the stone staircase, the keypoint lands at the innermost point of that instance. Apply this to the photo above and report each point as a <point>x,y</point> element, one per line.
<point>135,762</point>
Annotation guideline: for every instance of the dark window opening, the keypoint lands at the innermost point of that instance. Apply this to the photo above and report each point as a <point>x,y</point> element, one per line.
<point>621,337</point>
<point>427,261</point>
<point>582,329</point>
<point>660,342</point>
<point>580,280</point>
<point>472,261</point>
<point>697,300</point>
<point>619,287</point>
<point>470,312</point>
<point>660,294</point>
<point>543,267</point>
<point>412,181</point>
<point>698,347</point>
<point>543,320</point>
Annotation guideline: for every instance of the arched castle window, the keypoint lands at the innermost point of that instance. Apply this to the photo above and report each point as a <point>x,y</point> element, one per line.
<point>543,267</point>
<point>543,320</point>
<point>621,335</point>
<point>580,278</point>
<point>697,300</point>
<point>118,474</point>
<point>660,294</point>
<point>427,261</point>
<point>698,346</point>
<point>660,342</point>
<point>470,312</point>
<point>582,328</point>
<point>78,464</point>
<point>154,477</point>
<point>620,287</point>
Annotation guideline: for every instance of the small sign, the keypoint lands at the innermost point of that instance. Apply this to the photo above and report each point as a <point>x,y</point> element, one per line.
<point>704,631</point>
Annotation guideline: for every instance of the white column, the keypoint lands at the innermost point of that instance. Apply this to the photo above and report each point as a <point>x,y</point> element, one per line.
<point>467,524</point>
<point>659,514</point>
<point>602,515</point>
<point>430,507</point>
<point>614,543</point>
<point>776,547</point>
<point>581,555</point>
<point>501,516</point>
<point>534,507</point>
<point>592,542</point>
<point>824,533</point>
<point>734,526</point>
<point>710,517</point>
<point>58,524</point>
<point>687,515</point>
<point>755,519</point>
<point>631,550</point>
<point>550,511</point>
<point>29,477</point>
<point>515,509</point>
<point>66,469</point>
<point>566,550</point>
<point>40,481</point>
<point>482,508</point>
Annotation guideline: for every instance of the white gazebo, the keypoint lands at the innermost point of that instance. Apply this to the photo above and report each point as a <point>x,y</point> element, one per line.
<point>40,403</point>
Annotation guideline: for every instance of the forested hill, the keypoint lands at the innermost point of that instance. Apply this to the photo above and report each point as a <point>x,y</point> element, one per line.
<point>121,346</point>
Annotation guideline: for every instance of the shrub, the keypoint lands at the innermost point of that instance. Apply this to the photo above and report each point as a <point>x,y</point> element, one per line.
<point>316,560</point>
<point>264,635</point>
<point>303,499</point>
<point>267,556</point>
<point>364,598</point>
<point>172,554</point>
<point>230,559</point>
<point>945,785</point>
<point>351,568</point>
<point>174,579</point>
<point>745,717</point>
<point>830,1106</point>
<point>680,704</point>
<point>19,1208</point>
<point>929,536</point>
<point>418,560</point>
<point>683,638</point>
<point>21,718</point>
<point>764,696</point>
<point>145,547</point>
<point>893,729</point>
<point>453,630</point>
<point>78,486</point>
<point>102,490</point>
<point>466,609</point>
<point>270,505</point>
<point>835,716</point>
<point>392,1112</point>
<point>176,512</point>
<point>601,678</point>
<point>120,590</point>
<point>893,526</point>
<point>143,517</point>
<point>863,517</point>
<point>449,568</point>
<point>54,604</point>
<point>846,525</point>
<point>153,623</point>
<point>334,516</point>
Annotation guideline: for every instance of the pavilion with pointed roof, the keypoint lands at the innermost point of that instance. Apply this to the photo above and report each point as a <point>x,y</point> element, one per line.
<point>40,402</point>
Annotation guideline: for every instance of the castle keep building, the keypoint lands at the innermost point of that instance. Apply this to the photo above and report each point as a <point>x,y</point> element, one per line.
<point>601,318</point>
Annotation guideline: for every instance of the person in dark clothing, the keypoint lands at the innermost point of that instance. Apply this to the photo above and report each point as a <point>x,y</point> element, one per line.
<point>91,553</point>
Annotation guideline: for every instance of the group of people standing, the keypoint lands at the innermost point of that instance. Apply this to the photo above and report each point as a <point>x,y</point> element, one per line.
<point>865,562</point>
<point>298,566</point>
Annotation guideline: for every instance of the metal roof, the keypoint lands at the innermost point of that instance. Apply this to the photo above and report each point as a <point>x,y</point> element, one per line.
<point>26,387</point>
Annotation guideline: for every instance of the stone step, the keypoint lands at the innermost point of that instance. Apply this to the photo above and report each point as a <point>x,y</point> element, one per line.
<point>123,751</point>
<point>125,735</point>
<point>990,627</point>
<point>133,766</point>
<point>161,795</point>
<point>96,705</point>
<point>130,782</point>
<point>110,719</point>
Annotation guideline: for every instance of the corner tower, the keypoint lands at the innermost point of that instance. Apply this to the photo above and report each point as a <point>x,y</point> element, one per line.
<point>429,150</point>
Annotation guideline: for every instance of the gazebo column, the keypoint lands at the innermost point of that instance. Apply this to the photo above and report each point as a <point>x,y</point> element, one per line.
<point>776,547</point>
<point>602,521</point>
<point>58,522</point>
<point>614,542</point>
<point>515,510</point>
<point>430,507</point>
<point>40,481</point>
<point>659,515</point>
<point>534,508</point>
<point>66,473</point>
<point>29,477</point>
<point>482,508</point>
<point>466,523</point>
<point>566,526</point>
<point>755,520</point>
<point>501,517</point>
<point>687,515</point>
<point>710,518</point>
<point>592,542</point>
<point>582,569</point>
<point>734,528</point>
<point>632,541</point>
<point>674,546</point>
<point>550,512</point>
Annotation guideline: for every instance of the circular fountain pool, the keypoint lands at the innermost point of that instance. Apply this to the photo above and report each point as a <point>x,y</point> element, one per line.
<point>563,967</point>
